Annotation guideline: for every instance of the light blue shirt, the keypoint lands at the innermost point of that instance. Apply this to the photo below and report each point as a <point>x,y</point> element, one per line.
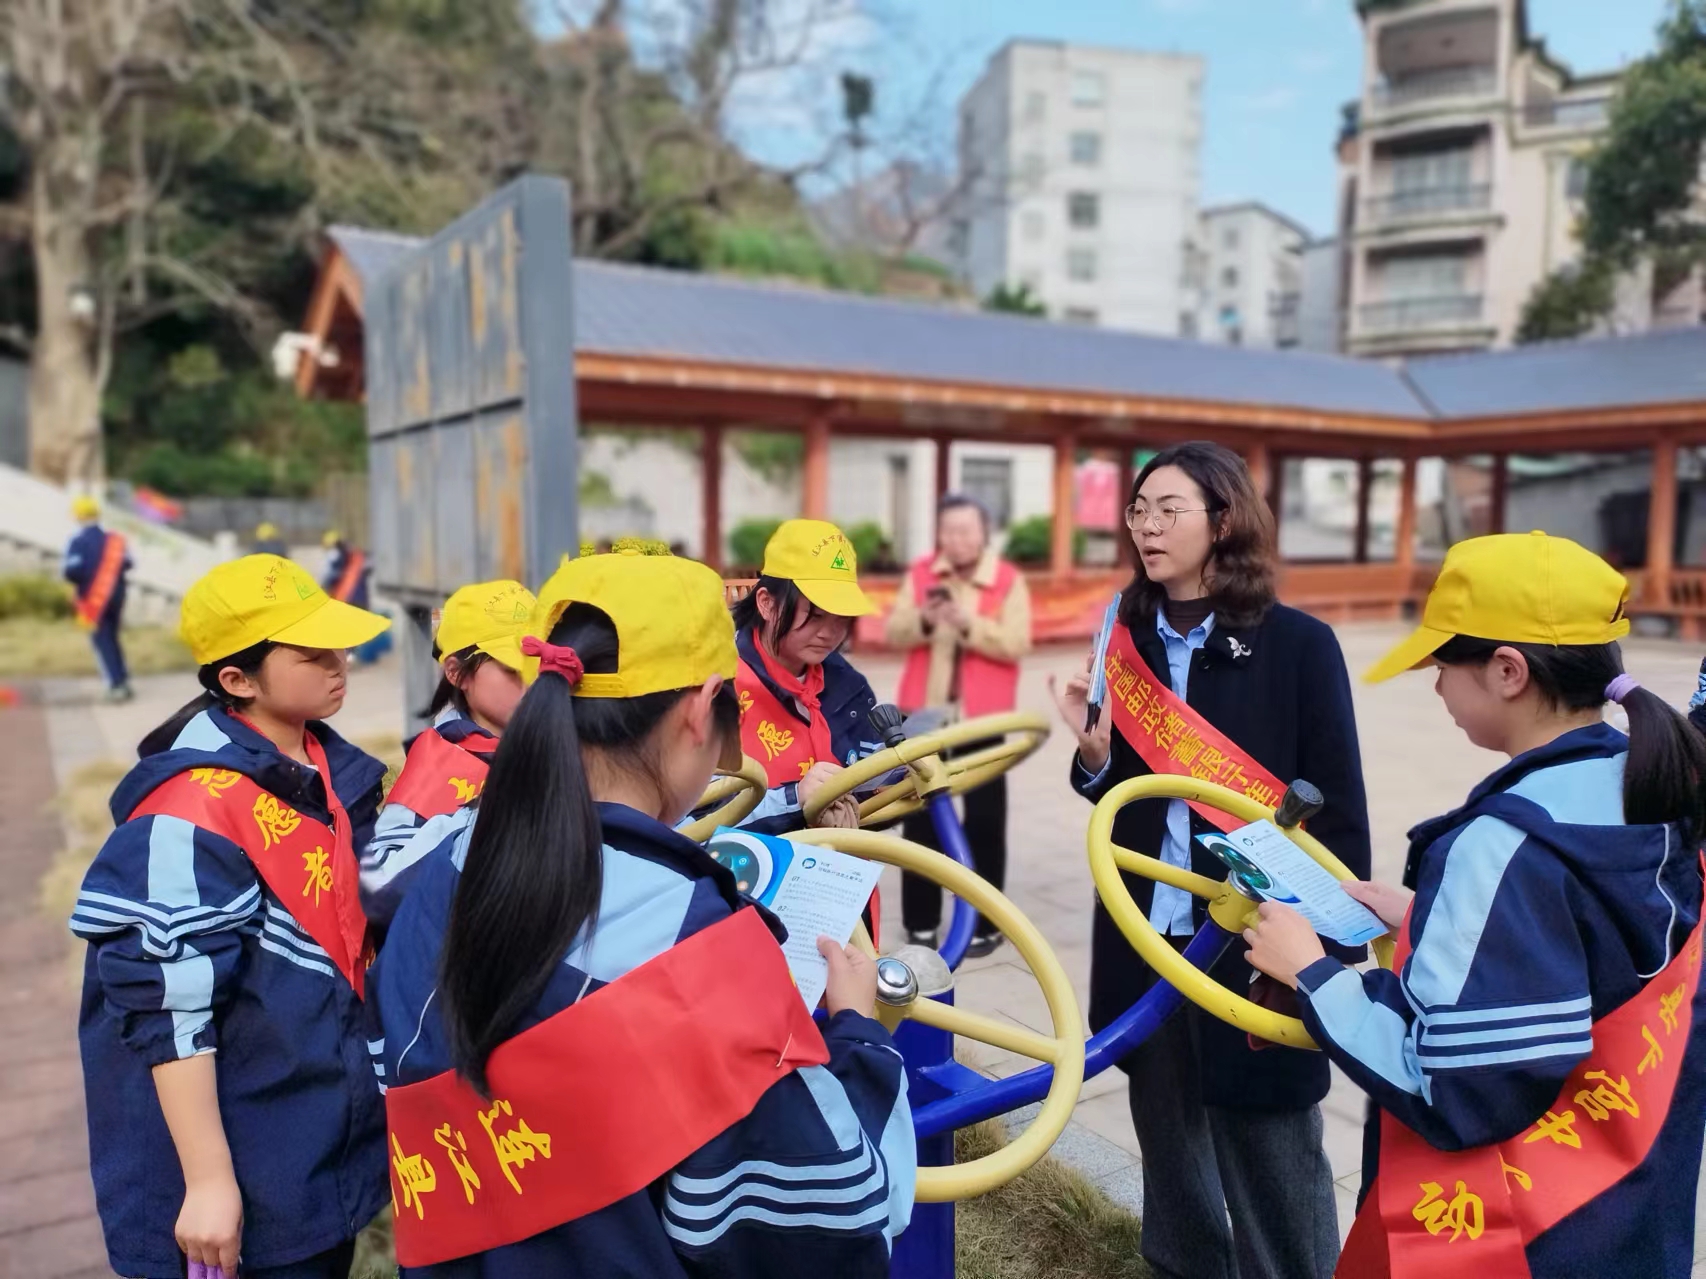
<point>1170,911</point>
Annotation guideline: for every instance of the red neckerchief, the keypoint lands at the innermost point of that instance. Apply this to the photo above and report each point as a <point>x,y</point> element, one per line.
<point>807,692</point>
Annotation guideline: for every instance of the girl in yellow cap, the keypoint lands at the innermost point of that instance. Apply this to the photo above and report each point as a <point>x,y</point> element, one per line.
<point>595,1059</point>
<point>477,646</point>
<point>230,1109</point>
<point>804,709</point>
<point>1537,1055</point>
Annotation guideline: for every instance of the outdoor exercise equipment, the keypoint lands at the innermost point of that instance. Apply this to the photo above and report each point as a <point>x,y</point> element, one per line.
<point>735,793</point>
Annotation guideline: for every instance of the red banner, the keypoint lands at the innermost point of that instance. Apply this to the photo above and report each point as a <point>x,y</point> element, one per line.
<point>103,584</point>
<point>309,865</point>
<point>440,776</point>
<point>600,1100</point>
<point>1433,1212</point>
<point>1171,737</point>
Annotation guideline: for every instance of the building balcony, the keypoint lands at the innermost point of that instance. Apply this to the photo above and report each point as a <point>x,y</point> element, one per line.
<point>1405,315</point>
<point>1583,114</point>
<point>1427,87</point>
<point>1427,202</point>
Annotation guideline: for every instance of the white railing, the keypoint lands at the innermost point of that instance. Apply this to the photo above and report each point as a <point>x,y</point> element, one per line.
<point>1448,82</point>
<point>1428,201</point>
<point>1401,315</point>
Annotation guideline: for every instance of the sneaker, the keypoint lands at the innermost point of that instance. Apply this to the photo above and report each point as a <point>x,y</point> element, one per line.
<point>122,693</point>
<point>983,944</point>
<point>921,937</point>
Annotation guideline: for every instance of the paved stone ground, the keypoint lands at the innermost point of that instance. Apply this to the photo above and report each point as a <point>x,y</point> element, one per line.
<point>1415,762</point>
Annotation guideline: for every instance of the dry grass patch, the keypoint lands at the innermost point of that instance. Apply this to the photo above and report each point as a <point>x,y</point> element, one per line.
<point>33,647</point>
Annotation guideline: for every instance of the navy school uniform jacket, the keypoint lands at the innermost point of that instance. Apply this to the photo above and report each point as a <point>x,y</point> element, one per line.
<point>1279,690</point>
<point>402,837</point>
<point>847,702</point>
<point>83,557</point>
<point>1537,912</point>
<point>190,952</point>
<point>816,1181</point>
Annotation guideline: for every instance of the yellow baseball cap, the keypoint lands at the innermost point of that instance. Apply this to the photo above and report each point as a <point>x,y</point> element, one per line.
<point>331,537</point>
<point>817,557</point>
<point>673,628</point>
<point>489,616</point>
<point>84,507</point>
<point>1518,588</point>
<point>266,529</point>
<point>267,597</point>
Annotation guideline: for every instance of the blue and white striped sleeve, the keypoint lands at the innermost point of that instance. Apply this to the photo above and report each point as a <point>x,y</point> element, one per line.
<point>1471,1043</point>
<point>161,905</point>
<point>402,838</point>
<point>819,1178</point>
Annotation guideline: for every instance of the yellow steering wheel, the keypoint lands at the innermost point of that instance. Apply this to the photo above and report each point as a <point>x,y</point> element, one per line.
<point>743,790</point>
<point>927,773</point>
<point>1226,905</point>
<point>1064,1051</point>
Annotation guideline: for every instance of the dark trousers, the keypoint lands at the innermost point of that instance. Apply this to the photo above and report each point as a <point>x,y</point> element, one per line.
<point>985,822</point>
<point>1266,1168</point>
<point>334,1263</point>
<point>107,651</point>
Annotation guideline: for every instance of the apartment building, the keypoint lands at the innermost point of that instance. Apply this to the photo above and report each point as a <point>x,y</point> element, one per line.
<point>1244,277</point>
<point>1080,170</point>
<point>1462,173</point>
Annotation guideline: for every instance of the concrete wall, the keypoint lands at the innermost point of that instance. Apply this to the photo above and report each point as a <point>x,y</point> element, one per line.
<point>14,413</point>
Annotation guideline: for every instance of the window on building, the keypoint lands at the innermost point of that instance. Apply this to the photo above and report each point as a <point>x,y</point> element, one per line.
<point>1081,265</point>
<point>1229,238</point>
<point>1032,224</point>
<point>1084,210</point>
<point>1576,178</point>
<point>1187,324</point>
<point>1036,106</point>
<point>1446,170</point>
<point>1088,88</point>
<point>1229,277</point>
<point>1086,147</point>
<point>990,481</point>
<point>1425,276</point>
<point>1031,169</point>
<point>1080,315</point>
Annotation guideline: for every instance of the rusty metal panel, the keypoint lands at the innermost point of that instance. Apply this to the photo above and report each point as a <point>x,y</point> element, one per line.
<point>382,506</point>
<point>448,320</point>
<point>454,522</point>
<point>494,299</point>
<point>500,491</point>
<point>416,526</point>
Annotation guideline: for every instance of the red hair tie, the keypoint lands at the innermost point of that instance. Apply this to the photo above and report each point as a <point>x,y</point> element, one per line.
<point>558,659</point>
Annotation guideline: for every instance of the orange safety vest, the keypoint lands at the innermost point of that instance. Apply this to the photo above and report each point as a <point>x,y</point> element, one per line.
<point>355,563</point>
<point>441,776</point>
<point>987,684</point>
<point>600,1100</point>
<point>1435,1212</point>
<point>102,585</point>
<point>309,865</point>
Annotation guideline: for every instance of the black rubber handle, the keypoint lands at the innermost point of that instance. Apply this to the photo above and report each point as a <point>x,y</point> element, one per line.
<point>889,723</point>
<point>1301,802</point>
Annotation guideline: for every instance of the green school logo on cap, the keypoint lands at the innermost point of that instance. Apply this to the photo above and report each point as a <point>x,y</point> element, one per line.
<point>304,588</point>
<point>840,560</point>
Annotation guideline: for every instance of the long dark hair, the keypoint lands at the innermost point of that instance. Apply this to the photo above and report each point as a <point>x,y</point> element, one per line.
<point>1664,775</point>
<point>213,694</point>
<point>1241,560</point>
<point>787,596</point>
<point>468,660</point>
<point>534,870</point>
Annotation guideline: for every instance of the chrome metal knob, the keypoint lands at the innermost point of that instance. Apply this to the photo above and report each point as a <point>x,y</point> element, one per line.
<point>897,986</point>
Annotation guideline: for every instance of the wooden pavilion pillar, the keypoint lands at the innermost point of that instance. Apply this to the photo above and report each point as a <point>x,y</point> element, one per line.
<point>944,468</point>
<point>1500,493</point>
<point>814,474</point>
<point>1065,457</point>
<point>1661,524</point>
<point>1260,462</point>
<point>1365,493</point>
<point>1128,473</point>
<point>1404,547</point>
<point>711,481</point>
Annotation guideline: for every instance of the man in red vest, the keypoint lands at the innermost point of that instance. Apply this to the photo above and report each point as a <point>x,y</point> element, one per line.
<point>96,562</point>
<point>965,615</point>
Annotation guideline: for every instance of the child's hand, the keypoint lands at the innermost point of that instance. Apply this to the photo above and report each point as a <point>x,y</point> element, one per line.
<point>1282,944</point>
<point>210,1224</point>
<point>1390,904</point>
<point>852,980</point>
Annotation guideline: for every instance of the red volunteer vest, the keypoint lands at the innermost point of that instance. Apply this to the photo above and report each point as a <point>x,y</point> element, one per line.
<point>1171,737</point>
<point>309,865</point>
<point>772,733</point>
<point>441,776</point>
<point>987,684</point>
<point>354,563</point>
<point>103,584</point>
<point>1435,1212</point>
<point>600,1100</point>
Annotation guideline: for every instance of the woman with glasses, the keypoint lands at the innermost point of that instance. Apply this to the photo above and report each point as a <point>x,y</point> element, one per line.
<point>1228,1126</point>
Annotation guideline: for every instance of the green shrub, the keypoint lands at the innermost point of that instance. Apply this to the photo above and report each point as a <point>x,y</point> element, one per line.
<point>868,539</point>
<point>1031,541</point>
<point>34,595</point>
<point>747,541</point>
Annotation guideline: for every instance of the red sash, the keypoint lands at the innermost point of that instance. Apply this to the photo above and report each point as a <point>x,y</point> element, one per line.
<point>987,684</point>
<point>772,733</point>
<point>103,584</point>
<point>1173,738</point>
<point>600,1100</point>
<point>1434,1212</point>
<point>440,776</point>
<point>355,562</point>
<point>310,866</point>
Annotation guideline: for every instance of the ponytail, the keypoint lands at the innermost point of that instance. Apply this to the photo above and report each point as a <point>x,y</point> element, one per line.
<point>213,694</point>
<point>535,870</point>
<point>1664,777</point>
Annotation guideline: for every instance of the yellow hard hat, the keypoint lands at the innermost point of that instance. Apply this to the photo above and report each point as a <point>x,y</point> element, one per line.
<point>817,557</point>
<point>267,597</point>
<point>1519,588</point>
<point>85,508</point>
<point>489,616</point>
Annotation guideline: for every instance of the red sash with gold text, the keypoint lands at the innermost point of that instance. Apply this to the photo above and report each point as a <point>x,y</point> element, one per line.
<point>1171,737</point>
<point>103,584</point>
<point>441,776</point>
<point>772,733</point>
<point>1434,1212</point>
<point>600,1100</point>
<point>309,865</point>
<point>355,563</point>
